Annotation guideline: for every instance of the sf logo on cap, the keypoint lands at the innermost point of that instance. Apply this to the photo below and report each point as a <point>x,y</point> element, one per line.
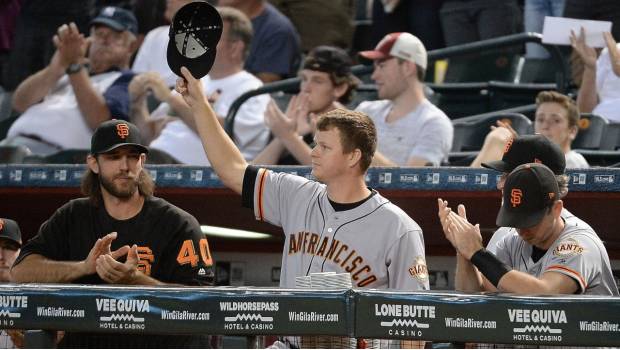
<point>515,197</point>
<point>122,130</point>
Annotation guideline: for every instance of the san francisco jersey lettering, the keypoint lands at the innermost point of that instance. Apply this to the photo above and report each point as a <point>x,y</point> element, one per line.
<point>376,242</point>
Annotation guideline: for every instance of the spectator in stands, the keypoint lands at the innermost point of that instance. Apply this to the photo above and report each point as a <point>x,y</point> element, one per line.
<point>84,85</point>
<point>557,118</point>
<point>275,50</point>
<point>473,20</point>
<point>326,84</point>
<point>225,83</point>
<point>121,234</point>
<point>333,15</point>
<point>534,13</point>
<point>411,130</point>
<point>599,92</point>
<point>37,23</point>
<point>151,56</point>
<point>543,253</point>
<point>10,244</point>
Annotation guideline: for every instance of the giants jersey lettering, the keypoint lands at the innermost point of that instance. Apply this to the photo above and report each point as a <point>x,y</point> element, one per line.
<point>378,243</point>
<point>577,253</point>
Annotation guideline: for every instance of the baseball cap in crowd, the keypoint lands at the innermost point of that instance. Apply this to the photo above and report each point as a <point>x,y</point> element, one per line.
<point>194,33</point>
<point>115,133</point>
<point>10,230</point>
<point>328,59</point>
<point>117,18</point>
<point>530,149</point>
<point>402,45</point>
<point>529,191</point>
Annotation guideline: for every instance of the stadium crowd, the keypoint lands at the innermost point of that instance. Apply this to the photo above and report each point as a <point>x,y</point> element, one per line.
<point>76,73</point>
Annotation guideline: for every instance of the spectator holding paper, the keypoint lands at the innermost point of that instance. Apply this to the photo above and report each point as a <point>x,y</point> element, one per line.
<point>600,86</point>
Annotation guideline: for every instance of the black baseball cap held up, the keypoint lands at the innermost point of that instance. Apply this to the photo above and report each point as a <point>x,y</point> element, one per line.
<point>117,18</point>
<point>530,149</point>
<point>116,133</point>
<point>9,230</point>
<point>194,33</point>
<point>529,192</point>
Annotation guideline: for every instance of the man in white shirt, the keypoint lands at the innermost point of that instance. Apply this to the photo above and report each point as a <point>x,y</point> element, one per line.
<point>225,83</point>
<point>151,56</point>
<point>84,85</point>
<point>411,130</point>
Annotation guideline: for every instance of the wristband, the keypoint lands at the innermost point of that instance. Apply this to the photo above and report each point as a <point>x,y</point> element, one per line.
<point>489,265</point>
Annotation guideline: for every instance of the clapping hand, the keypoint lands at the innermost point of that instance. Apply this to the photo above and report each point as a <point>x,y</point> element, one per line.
<point>587,53</point>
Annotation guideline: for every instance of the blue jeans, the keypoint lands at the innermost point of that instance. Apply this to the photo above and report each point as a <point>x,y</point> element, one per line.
<point>534,17</point>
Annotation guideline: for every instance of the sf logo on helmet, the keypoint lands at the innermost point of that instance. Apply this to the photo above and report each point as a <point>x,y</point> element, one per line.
<point>515,197</point>
<point>122,130</point>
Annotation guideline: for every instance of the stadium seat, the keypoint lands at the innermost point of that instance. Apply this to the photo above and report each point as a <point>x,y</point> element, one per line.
<point>364,92</point>
<point>469,135</point>
<point>157,156</point>
<point>611,137</point>
<point>531,70</point>
<point>591,130</point>
<point>13,154</point>
<point>68,156</point>
<point>5,125</point>
<point>482,67</point>
<point>507,95</point>
<point>458,100</point>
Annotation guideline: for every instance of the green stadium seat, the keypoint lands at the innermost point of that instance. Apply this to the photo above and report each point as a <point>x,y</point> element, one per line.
<point>591,130</point>
<point>469,135</point>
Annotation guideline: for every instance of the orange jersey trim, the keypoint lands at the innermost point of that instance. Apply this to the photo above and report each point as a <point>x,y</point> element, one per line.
<point>261,185</point>
<point>584,285</point>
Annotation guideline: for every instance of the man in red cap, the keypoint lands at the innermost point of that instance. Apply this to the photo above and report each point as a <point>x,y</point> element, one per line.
<point>410,129</point>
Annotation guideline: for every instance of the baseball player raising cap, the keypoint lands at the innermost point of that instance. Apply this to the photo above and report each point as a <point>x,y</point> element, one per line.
<point>545,255</point>
<point>335,225</point>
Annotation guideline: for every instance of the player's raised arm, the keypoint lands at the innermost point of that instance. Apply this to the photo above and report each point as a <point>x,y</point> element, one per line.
<point>222,153</point>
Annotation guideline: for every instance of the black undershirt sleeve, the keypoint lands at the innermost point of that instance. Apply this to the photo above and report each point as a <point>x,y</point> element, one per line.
<point>249,180</point>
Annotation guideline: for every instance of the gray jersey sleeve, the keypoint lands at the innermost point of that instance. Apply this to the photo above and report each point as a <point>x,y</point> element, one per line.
<point>503,246</point>
<point>578,257</point>
<point>276,195</point>
<point>407,263</point>
<point>497,238</point>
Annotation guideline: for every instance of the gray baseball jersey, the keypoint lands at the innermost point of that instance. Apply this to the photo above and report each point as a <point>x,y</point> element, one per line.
<point>376,242</point>
<point>577,253</point>
<point>501,232</point>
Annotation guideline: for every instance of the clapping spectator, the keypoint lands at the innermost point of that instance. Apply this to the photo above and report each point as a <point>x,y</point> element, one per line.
<point>226,81</point>
<point>84,85</point>
<point>557,118</point>
<point>326,84</point>
<point>152,54</point>
<point>599,92</point>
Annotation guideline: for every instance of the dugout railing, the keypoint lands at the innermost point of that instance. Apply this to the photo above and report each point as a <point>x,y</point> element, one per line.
<point>437,316</point>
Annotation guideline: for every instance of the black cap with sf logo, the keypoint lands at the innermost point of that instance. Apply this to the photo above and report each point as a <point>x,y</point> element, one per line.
<point>115,133</point>
<point>530,190</point>
<point>194,33</point>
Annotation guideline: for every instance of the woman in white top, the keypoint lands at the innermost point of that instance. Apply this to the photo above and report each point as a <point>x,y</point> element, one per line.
<point>600,86</point>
